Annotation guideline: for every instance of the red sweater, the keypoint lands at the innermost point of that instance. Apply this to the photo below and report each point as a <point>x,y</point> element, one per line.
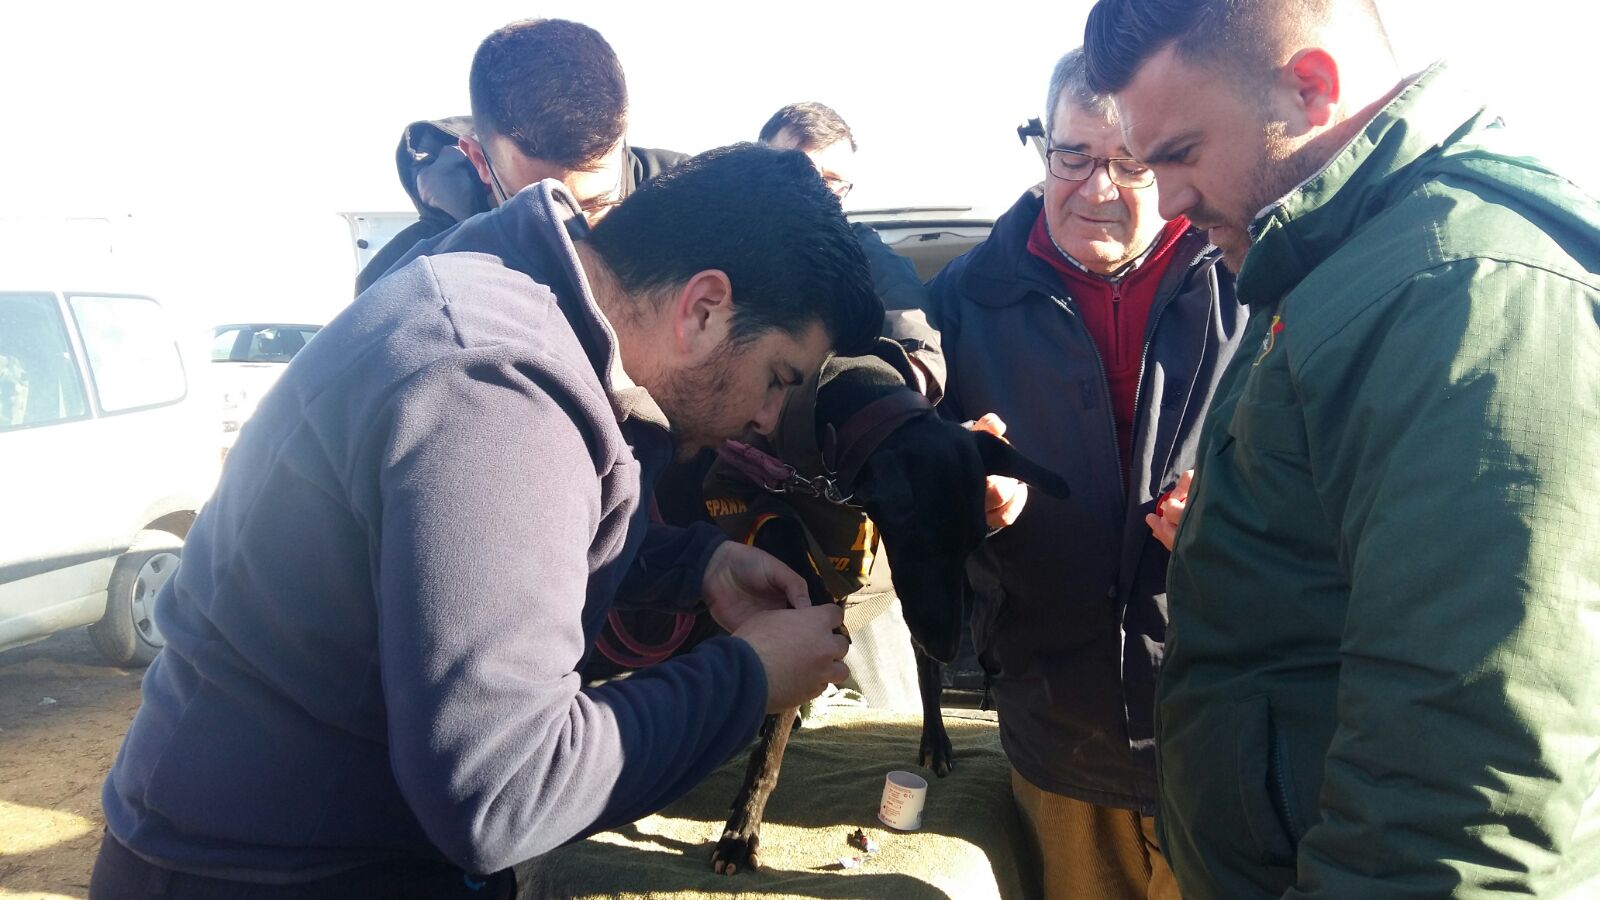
<point>1116,312</point>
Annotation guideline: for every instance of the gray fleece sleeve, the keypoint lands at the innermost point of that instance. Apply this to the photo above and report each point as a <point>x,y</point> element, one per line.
<point>491,517</point>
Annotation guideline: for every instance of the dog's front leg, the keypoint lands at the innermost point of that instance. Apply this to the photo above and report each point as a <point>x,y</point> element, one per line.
<point>741,837</point>
<point>936,752</point>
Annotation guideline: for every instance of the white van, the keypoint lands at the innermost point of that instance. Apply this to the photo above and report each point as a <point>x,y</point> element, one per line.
<point>106,454</point>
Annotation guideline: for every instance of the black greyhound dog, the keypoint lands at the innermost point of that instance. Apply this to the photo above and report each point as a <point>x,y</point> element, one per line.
<point>856,444</point>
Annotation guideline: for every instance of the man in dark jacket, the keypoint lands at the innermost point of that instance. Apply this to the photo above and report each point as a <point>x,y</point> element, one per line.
<point>548,101</point>
<point>370,683</point>
<point>1385,591</point>
<point>1096,331</point>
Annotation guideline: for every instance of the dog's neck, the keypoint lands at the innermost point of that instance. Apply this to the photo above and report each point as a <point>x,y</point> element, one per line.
<point>860,402</point>
<point>850,384</point>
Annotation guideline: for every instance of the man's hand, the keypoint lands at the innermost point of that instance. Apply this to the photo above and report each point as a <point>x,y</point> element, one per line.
<point>741,581</point>
<point>1169,511</point>
<point>799,650</point>
<point>1003,498</point>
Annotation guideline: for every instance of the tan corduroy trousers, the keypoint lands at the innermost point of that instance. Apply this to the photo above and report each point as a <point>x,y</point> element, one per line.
<point>1088,852</point>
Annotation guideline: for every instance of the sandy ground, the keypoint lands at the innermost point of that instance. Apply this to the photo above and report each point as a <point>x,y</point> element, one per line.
<point>62,716</point>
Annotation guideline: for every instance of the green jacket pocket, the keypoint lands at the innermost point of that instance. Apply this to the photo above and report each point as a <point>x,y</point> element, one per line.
<point>1264,784</point>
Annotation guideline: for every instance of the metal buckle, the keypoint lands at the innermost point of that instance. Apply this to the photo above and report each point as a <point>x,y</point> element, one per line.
<point>820,486</point>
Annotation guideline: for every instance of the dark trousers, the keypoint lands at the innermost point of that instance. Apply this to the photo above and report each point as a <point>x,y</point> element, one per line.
<point>119,874</point>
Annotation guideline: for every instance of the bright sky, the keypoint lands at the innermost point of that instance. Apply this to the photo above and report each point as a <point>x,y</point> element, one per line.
<point>223,139</point>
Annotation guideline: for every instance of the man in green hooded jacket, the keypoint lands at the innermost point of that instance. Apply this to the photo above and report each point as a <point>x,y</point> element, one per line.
<point>1383,667</point>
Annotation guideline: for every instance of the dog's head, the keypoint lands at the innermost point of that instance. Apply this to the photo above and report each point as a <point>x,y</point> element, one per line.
<point>924,489</point>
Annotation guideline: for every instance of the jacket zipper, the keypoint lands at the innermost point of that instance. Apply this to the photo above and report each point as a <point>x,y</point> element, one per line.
<point>1171,641</point>
<point>1116,323</point>
<point>1282,784</point>
<point>1144,355</point>
<point>1149,337</point>
<point>1105,392</point>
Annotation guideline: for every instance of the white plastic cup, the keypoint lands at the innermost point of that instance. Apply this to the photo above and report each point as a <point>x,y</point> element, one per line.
<point>903,797</point>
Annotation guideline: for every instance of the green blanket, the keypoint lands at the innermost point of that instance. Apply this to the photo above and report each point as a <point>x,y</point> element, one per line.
<point>970,844</point>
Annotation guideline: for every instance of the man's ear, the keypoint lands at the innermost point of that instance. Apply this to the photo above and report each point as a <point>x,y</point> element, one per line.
<point>474,152</point>
<point>702,314</point>
<point>1315,80</point>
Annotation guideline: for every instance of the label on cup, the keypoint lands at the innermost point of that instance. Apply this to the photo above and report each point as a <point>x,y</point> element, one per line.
<point>904,794</point>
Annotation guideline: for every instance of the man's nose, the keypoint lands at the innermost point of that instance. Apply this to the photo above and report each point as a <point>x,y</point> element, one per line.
<point>767,416</point>
<point>1099,187</point>
<point>1177,197</point>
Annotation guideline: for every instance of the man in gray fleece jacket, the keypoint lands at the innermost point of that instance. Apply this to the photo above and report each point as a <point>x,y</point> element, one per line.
<point>370,682</point>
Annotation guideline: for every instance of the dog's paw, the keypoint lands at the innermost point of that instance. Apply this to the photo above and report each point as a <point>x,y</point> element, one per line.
<point>736,852</point>
<point>937,754</point>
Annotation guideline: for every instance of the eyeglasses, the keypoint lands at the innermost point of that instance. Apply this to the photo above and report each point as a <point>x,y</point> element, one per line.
<point>839,186</point>
<point>593,208</point>
<point>500,195</point>
<point>1070,165</point>
<point>600,204</point>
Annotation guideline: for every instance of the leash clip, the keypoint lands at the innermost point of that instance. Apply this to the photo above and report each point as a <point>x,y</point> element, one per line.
<point>778,477</point>
<point>820,486</point>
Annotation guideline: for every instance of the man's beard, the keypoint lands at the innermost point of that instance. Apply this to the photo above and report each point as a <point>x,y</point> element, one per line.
<point>692,400</point>
<point>1285,164</point>
<point>1282,166</point>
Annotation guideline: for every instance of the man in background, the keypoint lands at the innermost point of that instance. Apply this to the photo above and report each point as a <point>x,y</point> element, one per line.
<point>549,100</point>
<point>822,135</point>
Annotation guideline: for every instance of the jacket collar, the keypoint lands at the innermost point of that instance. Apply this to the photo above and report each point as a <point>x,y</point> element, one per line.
<point>546,217</point>
<point>1003,271</point>
<point>1294,235</point>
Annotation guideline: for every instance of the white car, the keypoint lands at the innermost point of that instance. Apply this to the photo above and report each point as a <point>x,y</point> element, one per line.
<point>107,455</point>
<point>247,360</point>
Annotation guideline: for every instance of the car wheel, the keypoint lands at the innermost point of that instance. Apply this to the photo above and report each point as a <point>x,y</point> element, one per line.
<point>127,634</point>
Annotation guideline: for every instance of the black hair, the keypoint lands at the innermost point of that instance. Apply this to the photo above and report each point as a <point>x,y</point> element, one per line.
<point>553,87</point>
<point>813,125</point>
<point>1244,35</point>
<point>762,217</point>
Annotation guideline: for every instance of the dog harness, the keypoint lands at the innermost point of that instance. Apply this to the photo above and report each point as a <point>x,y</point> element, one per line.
<point>790,474</point>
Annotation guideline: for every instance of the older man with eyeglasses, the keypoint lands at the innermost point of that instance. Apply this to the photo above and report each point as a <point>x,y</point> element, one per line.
<point>1091,332</point>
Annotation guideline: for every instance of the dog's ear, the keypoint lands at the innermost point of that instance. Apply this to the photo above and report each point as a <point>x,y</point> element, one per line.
<point>1000,458</point>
